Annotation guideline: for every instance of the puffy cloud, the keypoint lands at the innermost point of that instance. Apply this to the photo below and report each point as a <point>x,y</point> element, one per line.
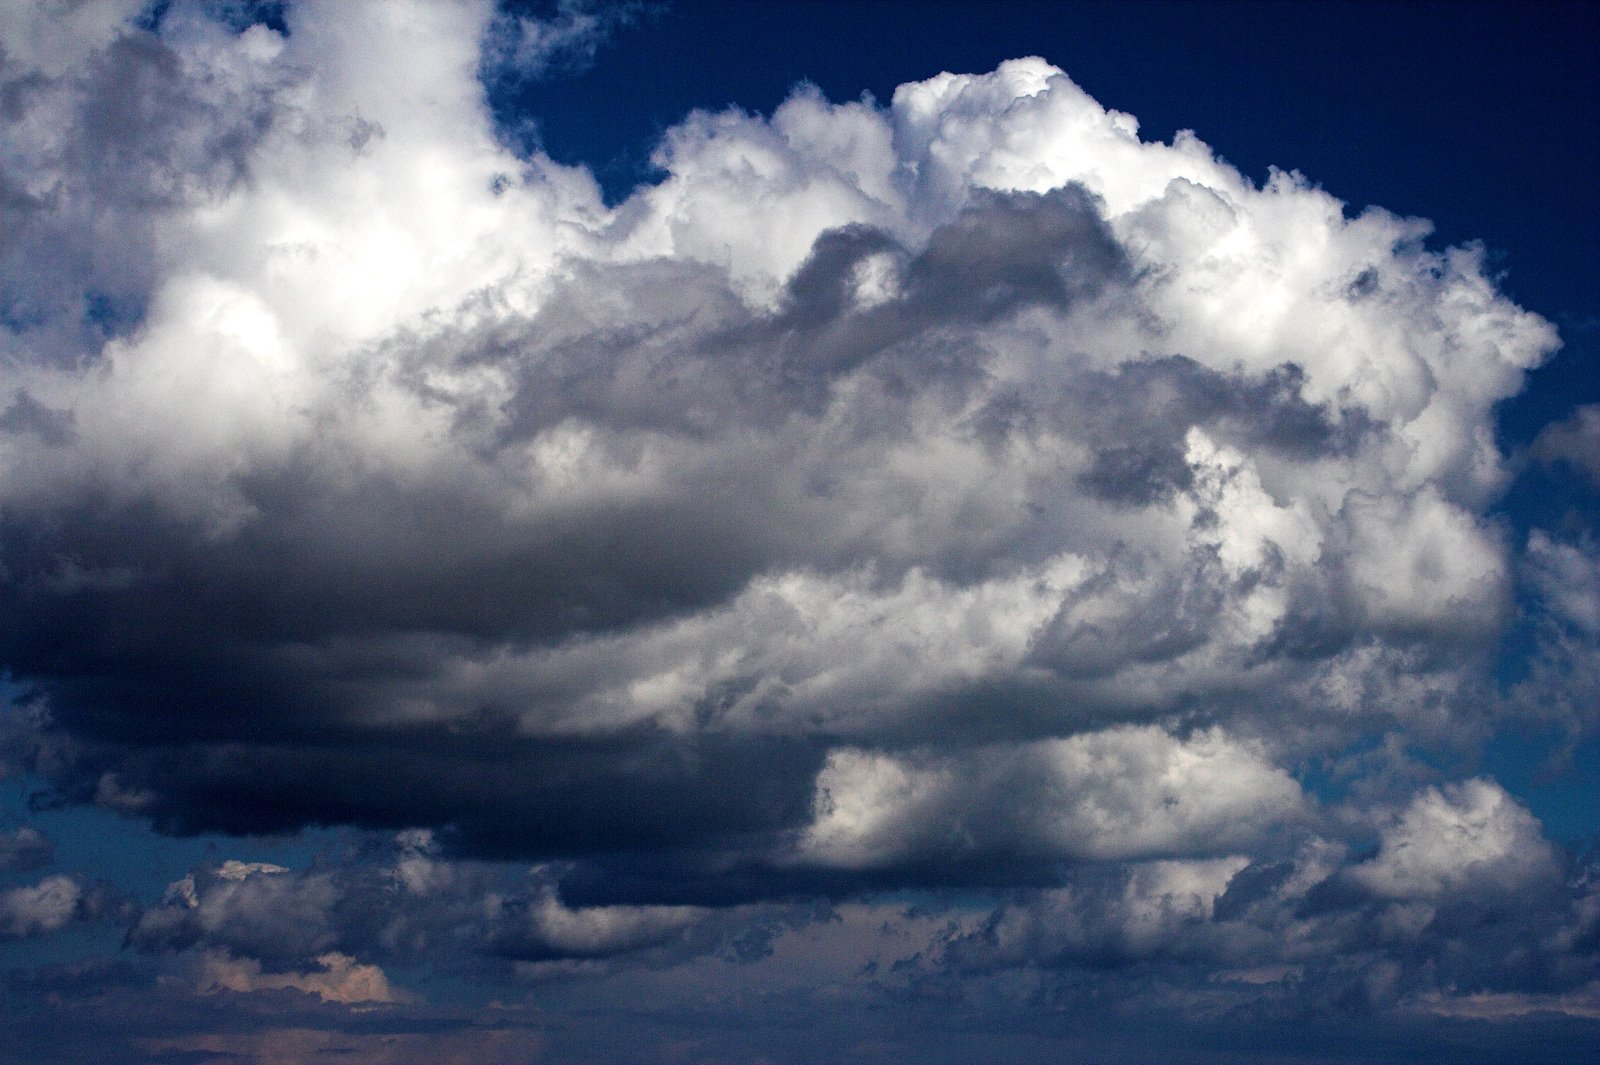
<point>403,903</point>
<point>545,927</point>
<point>517,46</point>
<point>24,848</point>
<point>961,490</point>
<point>1319,932</point>
<point>1463,837</point>
<point>1567,576</point>
<point>46,906</point>
<point>1125,793</point>
<point>1156,909</point>
<point>256,908</point>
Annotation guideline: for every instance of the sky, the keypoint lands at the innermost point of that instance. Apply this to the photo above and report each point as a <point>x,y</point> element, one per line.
<point>731,532</point>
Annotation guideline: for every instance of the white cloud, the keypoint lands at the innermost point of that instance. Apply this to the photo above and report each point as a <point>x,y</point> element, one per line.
<point>35,909</point>
<point>1467,837</point>
<point>1153,908</point>
<point>1124,793</point>
<point>1568,577</point>
<point>1420,562</point>
<point>255,909</point>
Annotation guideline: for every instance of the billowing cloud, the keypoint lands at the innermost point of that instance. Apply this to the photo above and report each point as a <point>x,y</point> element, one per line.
<point>960,490</point>
<point>1563,682</point>
<point>1016,428</point>
<point>1118,794</point>
<point>1467,836</point>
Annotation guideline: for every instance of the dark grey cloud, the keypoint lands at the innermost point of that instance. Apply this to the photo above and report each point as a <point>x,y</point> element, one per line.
<point>239,678</point>
<point>28,415</point>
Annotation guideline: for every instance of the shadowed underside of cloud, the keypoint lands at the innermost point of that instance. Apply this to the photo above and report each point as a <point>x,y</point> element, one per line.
<point>958,492</point>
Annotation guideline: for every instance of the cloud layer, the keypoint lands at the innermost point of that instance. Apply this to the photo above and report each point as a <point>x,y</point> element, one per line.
<point>957,491</point>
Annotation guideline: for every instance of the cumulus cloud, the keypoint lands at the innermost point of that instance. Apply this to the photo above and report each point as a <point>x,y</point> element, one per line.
<point>1467,835</point>
<point>24,848</point>
<point>1119,794</point>
<point>43,907</point>
<point>53,903</point>
<point>1465,910</point>
<point>960,490</point>
<point>322,929</point>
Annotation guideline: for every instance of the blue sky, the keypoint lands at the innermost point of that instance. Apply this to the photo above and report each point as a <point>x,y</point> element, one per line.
<point>799,532</point>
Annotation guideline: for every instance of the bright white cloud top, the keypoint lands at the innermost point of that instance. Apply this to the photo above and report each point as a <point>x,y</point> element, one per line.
<point>960,490</point>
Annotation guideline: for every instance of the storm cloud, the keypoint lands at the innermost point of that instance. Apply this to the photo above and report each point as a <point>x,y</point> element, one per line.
<point>957,491</point>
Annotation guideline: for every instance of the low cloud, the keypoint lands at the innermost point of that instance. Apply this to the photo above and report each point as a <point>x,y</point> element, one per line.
<point>54,903</point>
<point>340,979</point>
<point>1468,836</point>
<point>1126,793</point>
<point>24,848</point>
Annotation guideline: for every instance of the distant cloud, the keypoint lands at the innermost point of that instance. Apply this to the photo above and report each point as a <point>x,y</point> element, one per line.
<point>1575,441</point>
<point>340,978</point>
<point>565,38</point>
<point>24,848</point>
<point>53,903</point>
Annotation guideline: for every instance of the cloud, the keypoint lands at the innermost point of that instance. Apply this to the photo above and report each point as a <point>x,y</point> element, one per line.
<point>1563,680</point>
<point>395,903</point>
<point>1120,794</point>
<point>1465,836</point>
<point>251,907</point>
<point>1157,909</point>
<point>961,491</point>
<point>341,978</point>
<point>1465,910</point>
<point>418,448</point>
<point>1568,577</point>
<point>54,903</point>
<point>1574,440</point>
<point>24,848</point>
<point>519,46</point>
